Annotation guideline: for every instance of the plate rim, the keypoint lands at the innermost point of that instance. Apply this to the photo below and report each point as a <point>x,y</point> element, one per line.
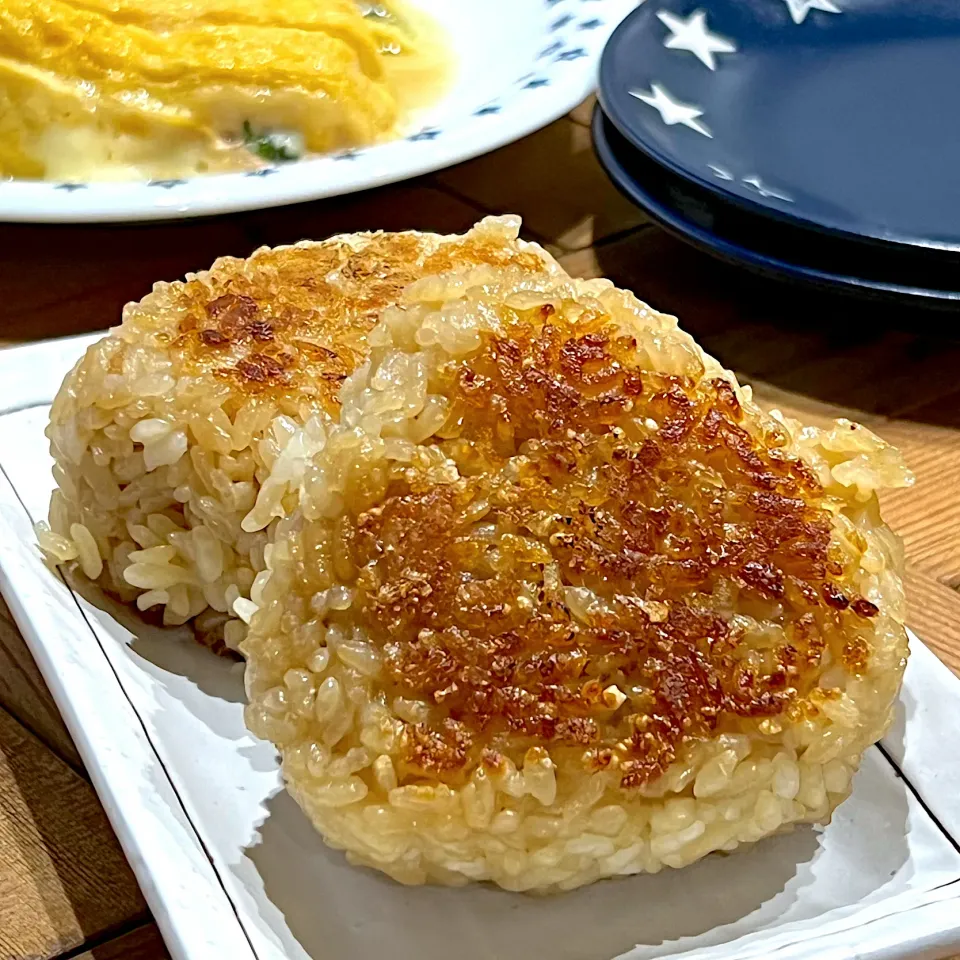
<point>559,79</point>
<point>737,254</point>
<point>167,854</point>
<point>717,186</point>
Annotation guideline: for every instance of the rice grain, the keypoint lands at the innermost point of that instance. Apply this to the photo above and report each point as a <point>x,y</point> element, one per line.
<point>603,615</point>
<point>189,428</point>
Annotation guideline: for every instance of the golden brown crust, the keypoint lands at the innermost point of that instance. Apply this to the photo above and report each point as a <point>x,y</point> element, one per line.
<point>661,528</point>
<point>292,321</point>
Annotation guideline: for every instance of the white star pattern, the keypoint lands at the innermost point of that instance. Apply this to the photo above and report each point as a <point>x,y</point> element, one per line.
<point>693,35</point>
<point>764,190</point>
<point>800,8</point>
<point>672,111</point>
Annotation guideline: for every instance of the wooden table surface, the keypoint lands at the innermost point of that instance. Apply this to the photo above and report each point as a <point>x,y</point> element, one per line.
<point>65,889</point>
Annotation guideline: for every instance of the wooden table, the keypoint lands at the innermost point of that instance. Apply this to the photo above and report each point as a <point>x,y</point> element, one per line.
<point>65,889</point>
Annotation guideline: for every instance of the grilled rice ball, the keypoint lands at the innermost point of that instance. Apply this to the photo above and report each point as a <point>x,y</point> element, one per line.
<point>177,439</point>
<point>561,603</point>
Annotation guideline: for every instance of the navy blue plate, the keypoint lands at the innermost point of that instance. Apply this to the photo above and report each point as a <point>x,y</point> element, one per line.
<point>838,114</point>
<point>781,250</point>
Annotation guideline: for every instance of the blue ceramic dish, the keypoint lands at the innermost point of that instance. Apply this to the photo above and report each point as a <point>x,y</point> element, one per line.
<point>729,231</point>
<point>835,114</point>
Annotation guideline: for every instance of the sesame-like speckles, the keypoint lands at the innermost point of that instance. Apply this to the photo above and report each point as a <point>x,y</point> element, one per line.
<point>259,368</point>
<point>213,338</point>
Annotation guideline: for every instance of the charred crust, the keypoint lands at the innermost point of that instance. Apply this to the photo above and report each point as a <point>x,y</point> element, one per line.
<point>213,338</point>
<point>763,577</point>
<point>318,300</point>
<point>259,368</point>
<point>231,309</point>
<point>473,628</point>
<point>864,608</point>
<point>834,597</point>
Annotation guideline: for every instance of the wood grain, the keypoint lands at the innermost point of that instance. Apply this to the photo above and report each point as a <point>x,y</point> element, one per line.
<point>419,205</point>
<point>553,180</point>
<point>77,278</point>
<point>63,877</point>
<point>144,943</point>
<point>24,693</point>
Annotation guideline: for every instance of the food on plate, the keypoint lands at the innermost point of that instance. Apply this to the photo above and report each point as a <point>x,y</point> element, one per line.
<point>560,602</point>
<point>181,438</point>
<point>136,89</point>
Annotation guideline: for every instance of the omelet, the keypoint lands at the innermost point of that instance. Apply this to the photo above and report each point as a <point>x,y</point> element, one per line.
<point>126,89</point>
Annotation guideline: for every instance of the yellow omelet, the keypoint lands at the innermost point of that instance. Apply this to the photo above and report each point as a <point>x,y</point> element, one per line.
<point>120,89</point>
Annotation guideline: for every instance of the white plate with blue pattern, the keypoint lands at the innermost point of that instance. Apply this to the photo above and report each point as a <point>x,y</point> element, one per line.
<point>520,65</point>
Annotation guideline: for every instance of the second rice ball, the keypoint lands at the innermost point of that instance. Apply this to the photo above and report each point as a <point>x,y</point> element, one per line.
<point>172,436</point>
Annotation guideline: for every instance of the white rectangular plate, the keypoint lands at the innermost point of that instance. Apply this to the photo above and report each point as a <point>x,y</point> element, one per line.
<point>233,870</point>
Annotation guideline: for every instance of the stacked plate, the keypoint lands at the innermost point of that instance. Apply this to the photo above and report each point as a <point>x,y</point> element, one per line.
<point>815,139</point>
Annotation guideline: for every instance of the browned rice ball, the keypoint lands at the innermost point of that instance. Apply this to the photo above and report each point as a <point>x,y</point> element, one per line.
<point>560,602</point>
<point>177,439</point>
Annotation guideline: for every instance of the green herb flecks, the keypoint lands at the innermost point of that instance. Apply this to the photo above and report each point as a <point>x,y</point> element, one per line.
<point>273,147</point>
